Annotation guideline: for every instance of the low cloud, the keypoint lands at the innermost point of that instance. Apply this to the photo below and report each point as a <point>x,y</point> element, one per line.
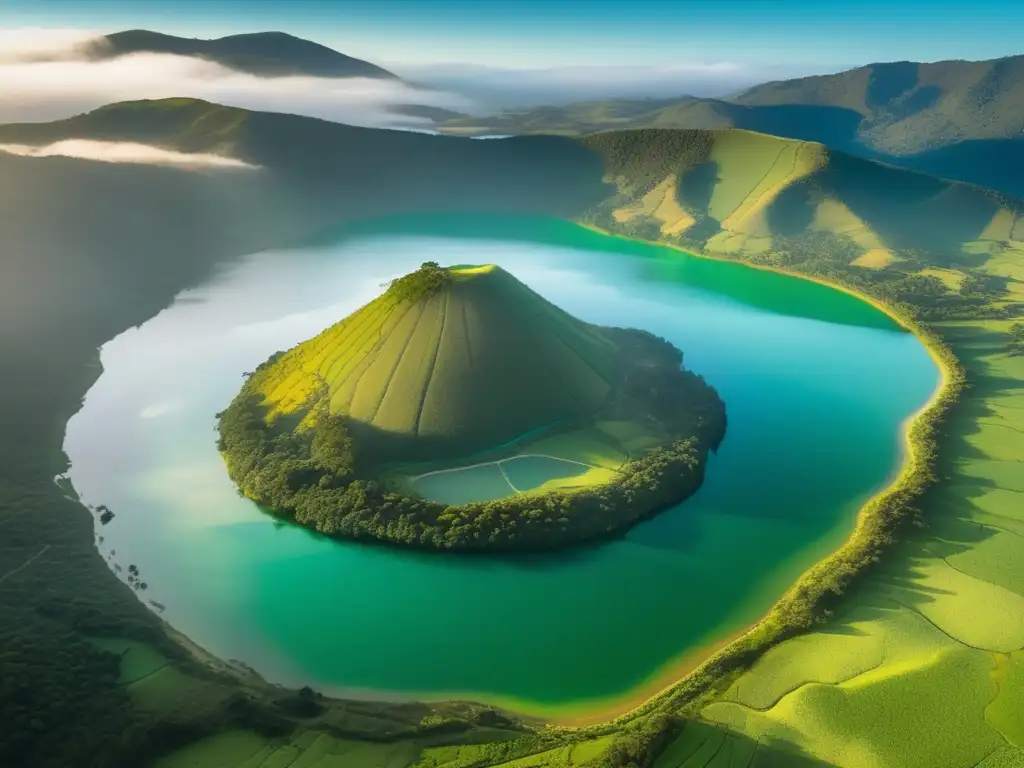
<point>124,152</point>
<point>494,88</point>
<point>45,77</point>
<point>40,44</point>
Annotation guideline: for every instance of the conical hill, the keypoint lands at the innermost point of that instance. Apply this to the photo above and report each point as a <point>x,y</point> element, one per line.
<point>447,362</point>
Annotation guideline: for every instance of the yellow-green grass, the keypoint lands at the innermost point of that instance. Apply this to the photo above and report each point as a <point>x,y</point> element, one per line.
<point>138,660</point>
<point>951,278</point>
<point>1004,757</point>
<point>587,446</point>
<point>661,204</point>
<point>1006,712</point>
<point>592,476</point>
<point>153,682</point>
<point>476,362</point>
<point>818,658</point>
<point>304,749</point>
<point>794,162</point>
<point>567,756</point>
<point>923,705</point>
<point>750,165</point>
<point>874,258</point>
<point>633,436</point>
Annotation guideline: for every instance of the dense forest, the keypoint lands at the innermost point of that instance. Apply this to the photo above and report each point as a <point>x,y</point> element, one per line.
<point>315,476</point>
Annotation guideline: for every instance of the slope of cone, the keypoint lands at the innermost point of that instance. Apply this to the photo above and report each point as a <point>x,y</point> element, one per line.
<point>477,361</point>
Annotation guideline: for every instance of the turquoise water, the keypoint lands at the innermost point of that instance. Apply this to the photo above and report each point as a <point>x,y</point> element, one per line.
<point>816,384</point>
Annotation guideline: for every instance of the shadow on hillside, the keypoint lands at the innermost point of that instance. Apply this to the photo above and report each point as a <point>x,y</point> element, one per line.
<point>890,81</point>
<point>702,744</point>
<point>953,521</point>
<point>790,214</point>
<point>909,210</point>
<point>696,187</point>
<point>835,127</point>
<point>994,163</point>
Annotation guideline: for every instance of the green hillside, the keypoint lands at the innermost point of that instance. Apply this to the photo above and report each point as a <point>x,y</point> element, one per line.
<point>475,362</point>
<point>908,107</point>
<point>266,54</point>
<point>783,202</point>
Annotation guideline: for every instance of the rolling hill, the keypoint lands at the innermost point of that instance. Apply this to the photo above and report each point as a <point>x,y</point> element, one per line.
<point>957,119</point>
<point>266,54</point>
<point>474,361</point>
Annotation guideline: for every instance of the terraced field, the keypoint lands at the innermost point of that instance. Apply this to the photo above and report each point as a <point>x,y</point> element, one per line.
<point>481,360</point>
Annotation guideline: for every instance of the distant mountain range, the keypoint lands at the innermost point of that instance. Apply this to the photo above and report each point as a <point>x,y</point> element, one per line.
<point>266,54</point>
<point>958,119</point>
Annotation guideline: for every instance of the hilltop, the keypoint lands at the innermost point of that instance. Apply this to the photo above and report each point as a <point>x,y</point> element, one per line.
<point>451,365</point>
<point>958,119</point>
<point>265,54</point>
<point>451,361</point>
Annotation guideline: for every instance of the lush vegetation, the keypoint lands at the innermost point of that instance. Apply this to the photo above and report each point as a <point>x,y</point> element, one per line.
<point>420,284</point>
<point>1015,346</point>
<point>319,474</point>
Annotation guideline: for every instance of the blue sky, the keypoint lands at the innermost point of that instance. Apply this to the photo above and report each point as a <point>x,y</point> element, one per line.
<point>807,35</point>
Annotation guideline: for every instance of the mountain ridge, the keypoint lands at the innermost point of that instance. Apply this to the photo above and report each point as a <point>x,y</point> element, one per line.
<point>938,118</point>
<point>264,54</point>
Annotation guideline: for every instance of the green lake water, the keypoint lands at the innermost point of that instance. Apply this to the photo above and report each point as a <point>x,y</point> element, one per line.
<point>816,385</point>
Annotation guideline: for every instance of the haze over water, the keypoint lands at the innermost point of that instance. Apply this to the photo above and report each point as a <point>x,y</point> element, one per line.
<point>816,386</point>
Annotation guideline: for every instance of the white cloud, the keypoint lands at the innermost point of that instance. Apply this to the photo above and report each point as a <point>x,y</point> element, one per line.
<point>44,77</point>
<point>502,88</point>
<point>36,43</point>
<point>123,152</point>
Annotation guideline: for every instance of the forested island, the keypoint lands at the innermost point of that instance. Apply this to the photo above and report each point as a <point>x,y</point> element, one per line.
<point>450,366</point>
